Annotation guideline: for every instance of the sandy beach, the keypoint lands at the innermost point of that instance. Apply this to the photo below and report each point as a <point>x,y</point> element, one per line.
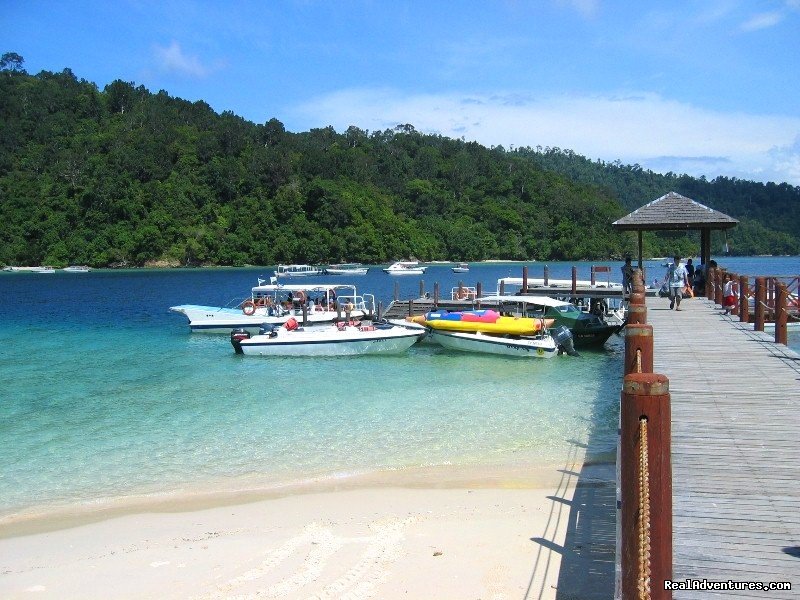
<point>492,541</point>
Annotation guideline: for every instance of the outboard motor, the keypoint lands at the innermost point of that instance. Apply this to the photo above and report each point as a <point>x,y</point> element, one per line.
<point>237,335</point>
<point>563,338</point>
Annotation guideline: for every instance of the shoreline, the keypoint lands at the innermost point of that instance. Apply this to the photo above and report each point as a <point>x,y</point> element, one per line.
<point>55,517</point>
<point>481,534</point>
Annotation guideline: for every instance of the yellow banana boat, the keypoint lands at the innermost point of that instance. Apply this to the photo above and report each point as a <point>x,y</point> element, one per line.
<point>502,326</point>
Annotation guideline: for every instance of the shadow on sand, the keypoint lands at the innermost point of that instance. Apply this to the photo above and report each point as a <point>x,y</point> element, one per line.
<point>588,553</point>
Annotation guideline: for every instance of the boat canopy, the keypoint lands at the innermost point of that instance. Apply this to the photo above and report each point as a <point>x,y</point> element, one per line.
<point>305,287</point>
<point>538,300</point>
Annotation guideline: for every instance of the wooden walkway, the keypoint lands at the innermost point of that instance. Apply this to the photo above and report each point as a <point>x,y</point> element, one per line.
<point>735,448</point>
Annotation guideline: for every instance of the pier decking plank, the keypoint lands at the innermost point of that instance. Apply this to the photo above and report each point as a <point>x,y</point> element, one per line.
<point>735,451</point>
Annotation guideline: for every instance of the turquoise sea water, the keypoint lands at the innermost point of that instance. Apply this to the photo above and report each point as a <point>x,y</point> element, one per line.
<point>106,394</point>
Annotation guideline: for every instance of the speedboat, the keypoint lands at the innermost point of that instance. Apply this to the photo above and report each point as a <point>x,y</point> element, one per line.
<point>540,346</point>
<point>297,271</point>
<point>461,268</point>
<point>47,270</point>
<point>76,269</point>
<point>588,330</point>
<point>405,267</point>
<point>276,303</point>
<point>347,269</point>
<point>343,339</point>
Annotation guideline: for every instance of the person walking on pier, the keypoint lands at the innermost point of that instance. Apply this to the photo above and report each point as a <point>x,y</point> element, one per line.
<point>677,278</point>
<point>627,276</point>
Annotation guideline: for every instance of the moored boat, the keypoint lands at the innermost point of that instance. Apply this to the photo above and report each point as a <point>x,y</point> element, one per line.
<point>276,303</point>
<point>542,346</point>
<point>76,269</point>
<point>461,268</point>
<point>405,267</point>
<point>347,269</point>
<point>342,339</point>
<point>588,330</point>
<point>297,271</point>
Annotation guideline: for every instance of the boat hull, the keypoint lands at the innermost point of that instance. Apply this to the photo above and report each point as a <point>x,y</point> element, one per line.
<point>349,342</point>
<point>214,319</point>
<point>543,347</point>
<point>347,271</point>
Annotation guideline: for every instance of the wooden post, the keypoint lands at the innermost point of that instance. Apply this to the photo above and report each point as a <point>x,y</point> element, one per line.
<point>410,307</point>
<point>574,280</point>
<point>525,279</point>
<point>781,316</point>
<point>305,313</point>
<point>718,279</point>
<point>421,288</point>
<point>338,308</point>
<point>761,296</point>
<point>478,294</point>
<point>592,276</point>
<point>502,288</point>
<point>645,396</point>
<point>770,298</point>
<point>546,276</point>
<point>436,295</point>
<point>380,310</point>
<point>637,314</point>
<point>744,299</point>
<point>638,348</point>
<point>396,291</point>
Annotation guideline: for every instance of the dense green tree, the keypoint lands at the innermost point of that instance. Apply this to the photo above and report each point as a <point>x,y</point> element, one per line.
<point>122,176</point>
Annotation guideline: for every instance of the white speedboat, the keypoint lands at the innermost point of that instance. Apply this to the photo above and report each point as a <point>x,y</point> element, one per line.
<point>347,269</point>
<point>297,271</point>
<point>461,268</point>
<point>276,303</point>
<point>47,270</point>
<point>76,269</point>
<point>405,267</point>
<point>335,340</point>
<point>543,346</point>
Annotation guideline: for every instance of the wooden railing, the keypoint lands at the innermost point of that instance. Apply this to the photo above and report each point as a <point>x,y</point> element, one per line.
<point>774,298</point>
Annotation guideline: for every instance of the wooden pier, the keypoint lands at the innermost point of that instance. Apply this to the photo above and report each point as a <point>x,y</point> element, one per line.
<point>735,448</point>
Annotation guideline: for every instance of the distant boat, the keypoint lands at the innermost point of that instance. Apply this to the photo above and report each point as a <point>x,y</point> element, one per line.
<point>76,269</point>
<point>405,267</point>
<point>297,271</point>
<point>461,268</point>
<point>45,269</point>
<point>347,269</point>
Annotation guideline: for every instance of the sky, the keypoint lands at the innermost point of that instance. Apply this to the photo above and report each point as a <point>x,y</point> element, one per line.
<point>704,87</point>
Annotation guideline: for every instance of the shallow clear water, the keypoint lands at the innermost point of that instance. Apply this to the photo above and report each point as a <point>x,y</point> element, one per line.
<point>105,394</point>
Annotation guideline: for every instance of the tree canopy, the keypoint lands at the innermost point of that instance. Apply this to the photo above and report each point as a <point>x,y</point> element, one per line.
<point>123,176</point>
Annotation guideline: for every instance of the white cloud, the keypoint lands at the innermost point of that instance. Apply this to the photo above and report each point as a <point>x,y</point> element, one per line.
<point>645,128</point>
<point>173,59</point>
<point>762,21</point>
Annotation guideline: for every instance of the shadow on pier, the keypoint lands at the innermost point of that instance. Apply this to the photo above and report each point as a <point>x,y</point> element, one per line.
<point>589,519</point>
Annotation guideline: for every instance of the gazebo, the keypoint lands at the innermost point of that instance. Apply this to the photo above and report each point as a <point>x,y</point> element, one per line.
<point>677,213</point>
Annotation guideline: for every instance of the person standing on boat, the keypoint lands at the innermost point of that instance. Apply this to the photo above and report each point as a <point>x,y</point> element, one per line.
<point>677,278</point>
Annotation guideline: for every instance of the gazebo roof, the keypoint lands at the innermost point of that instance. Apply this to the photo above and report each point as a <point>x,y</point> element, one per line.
<point>673,211</point>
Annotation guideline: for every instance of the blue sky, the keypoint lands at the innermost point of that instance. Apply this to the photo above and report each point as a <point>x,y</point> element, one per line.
<point>700,87</point>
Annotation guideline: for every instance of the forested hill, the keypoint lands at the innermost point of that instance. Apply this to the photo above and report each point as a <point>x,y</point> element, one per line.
<point>759,207</point>
<point>122,176</point>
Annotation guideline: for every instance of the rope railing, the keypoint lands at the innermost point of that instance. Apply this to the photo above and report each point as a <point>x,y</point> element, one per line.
<point>644,467</point>
<point>643,585</point>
